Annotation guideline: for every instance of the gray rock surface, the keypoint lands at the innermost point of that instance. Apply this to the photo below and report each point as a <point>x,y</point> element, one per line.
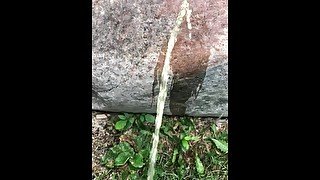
<point>128,43</point>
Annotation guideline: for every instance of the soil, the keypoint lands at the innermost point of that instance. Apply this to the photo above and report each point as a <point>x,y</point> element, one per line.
<point>104,136</point>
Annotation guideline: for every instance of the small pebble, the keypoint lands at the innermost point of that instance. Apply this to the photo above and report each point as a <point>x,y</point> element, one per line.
<point>101,116</point>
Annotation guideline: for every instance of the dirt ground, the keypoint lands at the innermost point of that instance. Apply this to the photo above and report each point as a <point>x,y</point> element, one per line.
<point>105,136</point>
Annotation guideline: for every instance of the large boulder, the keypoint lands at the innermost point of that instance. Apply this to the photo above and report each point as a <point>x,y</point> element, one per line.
<point>129,44</point>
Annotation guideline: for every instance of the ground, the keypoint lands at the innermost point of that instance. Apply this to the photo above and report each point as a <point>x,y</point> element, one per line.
<point>189,147</point>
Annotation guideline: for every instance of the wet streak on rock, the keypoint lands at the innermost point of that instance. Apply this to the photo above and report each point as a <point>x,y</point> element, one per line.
<point>189,61</point>
<point>189,64</point>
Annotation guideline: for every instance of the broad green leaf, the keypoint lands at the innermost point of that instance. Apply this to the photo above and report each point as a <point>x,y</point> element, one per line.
<point>137,161</point>
<point>132,169</point>
<point>149,118</point>
<point>119,148</point>
<point>120,124</point>
<point>109,156</point>
<point>165,129</point>
<point>142,118</point>
<point>129,123</point>
<point>223,146</point>
<point>125,147</point>
<point>185,144</point>
<point>122,117</point>
<point>122,158</point>
<point>175,153</point>
<point>199,165</point>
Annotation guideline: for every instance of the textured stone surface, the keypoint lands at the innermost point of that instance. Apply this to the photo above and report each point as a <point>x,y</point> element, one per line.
<point>129,44</point>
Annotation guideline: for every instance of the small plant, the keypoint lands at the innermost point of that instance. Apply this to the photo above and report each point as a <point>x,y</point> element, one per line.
<point>222,145</point>
<point>218,139</point>
<point>118,155</point>
<point>123,154</point>
<point>199,165</point>
<point>133,151</point>
<point>147,117</point>
<point>125,122</point>
<point>186,150</point>
<point>185,142</point>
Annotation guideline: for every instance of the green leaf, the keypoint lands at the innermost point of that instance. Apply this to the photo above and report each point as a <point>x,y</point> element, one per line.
<point>126,115</point>
<point>129,123</point>
<point>125,147</point>
<point>140,125</point>
<point>110,155</point>
<point>223,146</point>
<point>185,144</point>
<point>108,162</point>
<point>199,165</point>
<point>109,158</point>
<point>121,124</point>
<point>149,118</point>
<point>144,132</point>
<point>214,128</point>
<point>181,171</point>
<point>116,149</point>
<point>113,177</point>
<point>180,160</point>
<point>137,161</point>
<point>187,138</point>
<point>142,119</point>
<point>131,120</point>
<point>124,175</point>
<point>134,176</point>
<point>175,153</point>
<point>122,117</point>
<point>119,148</point>
<point>144,153</point>
<point>191,138</point>
<point>182,135</point>
<point>195,138</point>
<point>122,158</point>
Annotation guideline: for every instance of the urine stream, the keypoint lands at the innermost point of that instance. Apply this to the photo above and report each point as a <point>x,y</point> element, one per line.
<point>184,11</point>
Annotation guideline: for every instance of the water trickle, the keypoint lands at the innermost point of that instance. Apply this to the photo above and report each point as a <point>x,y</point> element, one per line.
<point>164,84</point>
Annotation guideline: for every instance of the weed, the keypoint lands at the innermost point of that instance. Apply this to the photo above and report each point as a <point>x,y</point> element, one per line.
<point>188,149</point>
